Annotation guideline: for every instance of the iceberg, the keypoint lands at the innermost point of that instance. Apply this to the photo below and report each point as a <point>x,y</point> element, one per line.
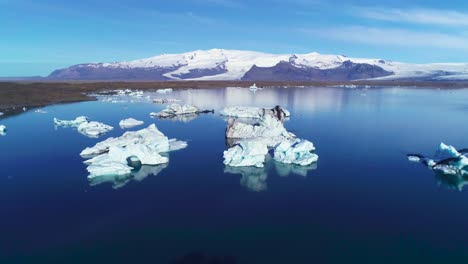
<point>446,160</point>
<point>164,91</point>
<point>93,129</point>
<point>40,111</point>
<point>176,109</point>
<point>2,130</point>
<point>71,123</point>
<point>297,151</point>
<point>255,130</point>
<point>246,153</point>
<point>129,123</point>
<point>122,155</point>
<point>253,112</point>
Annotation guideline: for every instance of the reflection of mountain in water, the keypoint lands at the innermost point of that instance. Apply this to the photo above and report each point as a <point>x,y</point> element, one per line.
<point>452,181</point>
<point>119,181</point>
<point>255,178</point>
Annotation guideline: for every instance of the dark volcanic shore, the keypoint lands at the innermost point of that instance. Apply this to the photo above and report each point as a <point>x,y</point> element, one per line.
<point>16,95</point>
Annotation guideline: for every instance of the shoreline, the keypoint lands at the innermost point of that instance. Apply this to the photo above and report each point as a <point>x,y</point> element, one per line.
<point>16,95</point>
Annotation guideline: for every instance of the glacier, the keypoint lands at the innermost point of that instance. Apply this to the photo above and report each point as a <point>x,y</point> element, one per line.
<point>129,123</point>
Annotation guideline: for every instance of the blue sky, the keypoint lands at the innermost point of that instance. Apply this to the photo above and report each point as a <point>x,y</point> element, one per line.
<point>38,36</point>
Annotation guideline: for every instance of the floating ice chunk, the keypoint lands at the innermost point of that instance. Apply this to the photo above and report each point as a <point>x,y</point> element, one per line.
<point>71,123</point>
<point>2,130</point>
<point>24,109</point>
<point>414,158</point>
<point>163,91</point>
<point>176,109</point>
<point>445,151</point>
<point>246,153</point>
<point>93,129</point>
<point>130,122</point>
<point>1,113</point>
<point>143,147</point>
<point>40,111</point>
<point>150,136</point>
<point>298,151</point>
<point>253,112</point>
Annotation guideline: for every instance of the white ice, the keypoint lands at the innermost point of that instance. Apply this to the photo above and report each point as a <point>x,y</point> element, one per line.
<point>176,109</point>
<point>130,122</point>
<point>298,151</point>
<point>455,166</point>
<point>246,153</point>
<point>40,111</point>
<point>146,145</point>
<point>248,112</point>
<point>164,91</point>
<point>93,128</point>
<point>71,123</point>
<point>2,130</point>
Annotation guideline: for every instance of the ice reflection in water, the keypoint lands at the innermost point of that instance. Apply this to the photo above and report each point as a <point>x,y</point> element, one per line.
<point>119,181</point>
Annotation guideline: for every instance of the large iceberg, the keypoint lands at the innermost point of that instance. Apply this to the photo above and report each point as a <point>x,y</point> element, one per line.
<point>446,160</point>
<point>129,123</point>
<point>246,153</point>
<point>71,123</point>
<point>263,127</point>
<point>93,129</point>
<point>119,156</point>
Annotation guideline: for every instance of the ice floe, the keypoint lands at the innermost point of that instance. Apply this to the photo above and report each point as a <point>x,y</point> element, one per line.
<point>246,153</point>
<point>114,156</point>
<point>175,110</point>
<point>446,162</point>
<point>164,91</point>
<point>93,128</point>
<point>71,123</point>
<point>3,130</point>
<point>40,111</point>
<point>129,123</point>
<point>90,129</point>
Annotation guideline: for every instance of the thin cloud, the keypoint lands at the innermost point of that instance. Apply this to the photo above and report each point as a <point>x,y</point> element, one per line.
<point>391,37</point>
<point>415,15</point>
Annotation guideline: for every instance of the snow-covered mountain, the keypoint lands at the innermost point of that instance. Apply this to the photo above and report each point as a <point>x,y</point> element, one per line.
<point>219,64</point>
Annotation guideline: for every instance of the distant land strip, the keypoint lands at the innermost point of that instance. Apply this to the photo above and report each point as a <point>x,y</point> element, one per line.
<point>16,95</point>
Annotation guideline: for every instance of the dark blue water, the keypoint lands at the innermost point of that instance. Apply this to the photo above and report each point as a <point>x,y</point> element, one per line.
<point>363,203</point>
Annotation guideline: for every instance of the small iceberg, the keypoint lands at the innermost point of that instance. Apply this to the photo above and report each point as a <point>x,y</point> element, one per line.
<point>129,123</point>
<point>253,87</point>
<point>174,110</point>
<point>246,153</point>
<point>446,160</point>
<point>40,111</point>
<point>71,123</point>
<point>93,129</point>
<point>3,130</point>
<point>120,156</point>
<point>164,91</point>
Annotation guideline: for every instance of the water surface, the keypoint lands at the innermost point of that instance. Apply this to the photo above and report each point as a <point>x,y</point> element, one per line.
<point>362,203</point>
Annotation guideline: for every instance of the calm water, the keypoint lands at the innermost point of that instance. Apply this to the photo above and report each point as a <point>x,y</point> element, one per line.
<point>363,203</point>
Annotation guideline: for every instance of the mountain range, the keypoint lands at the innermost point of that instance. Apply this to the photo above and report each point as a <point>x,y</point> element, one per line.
<point>220,64</point>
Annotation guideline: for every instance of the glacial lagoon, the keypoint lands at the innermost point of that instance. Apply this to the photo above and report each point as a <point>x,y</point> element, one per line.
<point>361,201</point>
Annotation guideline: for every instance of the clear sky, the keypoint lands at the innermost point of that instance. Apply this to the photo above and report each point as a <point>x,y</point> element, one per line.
<point>38,36</point>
